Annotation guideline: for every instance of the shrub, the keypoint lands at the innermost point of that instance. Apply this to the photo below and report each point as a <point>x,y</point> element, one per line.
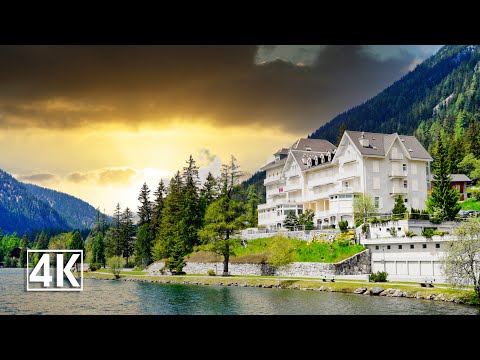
<point>130,264</point>
<point>392,231</point>
<point>364,228</point>
<point>94,266</point>
<point>435,220</point>
<point>343,225</point>
<point>380,276</point>
<point>358,222</point>
<point>428,232</point>
<point>115,264</point>
<point>211,273</point>
<point>409,233</point>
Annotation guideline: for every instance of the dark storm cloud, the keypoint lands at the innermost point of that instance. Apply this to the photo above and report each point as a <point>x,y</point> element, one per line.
<point>73,86</point>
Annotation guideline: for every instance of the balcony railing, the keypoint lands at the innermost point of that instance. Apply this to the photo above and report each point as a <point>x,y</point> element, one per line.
<point>398,191</point>
<point>396,157</point>
<point>272,179</point>
<point>397,173</point>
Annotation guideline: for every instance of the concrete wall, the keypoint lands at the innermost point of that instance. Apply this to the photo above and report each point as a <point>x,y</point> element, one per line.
<point>355,265</point>
<point>302,235</point>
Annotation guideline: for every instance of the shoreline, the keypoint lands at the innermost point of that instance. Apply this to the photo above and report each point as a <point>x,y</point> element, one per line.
<point>344,286</point>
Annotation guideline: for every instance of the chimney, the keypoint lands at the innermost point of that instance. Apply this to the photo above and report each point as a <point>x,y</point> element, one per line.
<point>363,140</point>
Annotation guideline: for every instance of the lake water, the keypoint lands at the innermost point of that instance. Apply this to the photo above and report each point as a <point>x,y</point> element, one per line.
<point>125,297</point>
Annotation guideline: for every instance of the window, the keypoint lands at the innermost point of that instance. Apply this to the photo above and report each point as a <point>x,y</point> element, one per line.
<point>399,228</point>
<point>388,247</point>
<point>424,246</point>
<point>405,184</point>
<point>412,246</point>
<point>377,202</point>
<point>399,247</point>
<point>457,187</point>
<point>376,166</point>
<point>300,211</point>
<point>437,246</point>
<point>346,184</point>
<point>404,167</point>
<point>376,248</point>
<point>406,200</point>
<point>279,213</point>
<point>376,183</point>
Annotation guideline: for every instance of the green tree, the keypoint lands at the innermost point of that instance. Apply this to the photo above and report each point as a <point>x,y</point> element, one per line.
<point>251,215</point>
<point>209,193</point>
<point>306,219</point>
<point>456,153</point>
<point>341,130</point>
<point>462,254</point>
<point>76,243</point>
<point>363,207</point>
<point>443,201</point>
<point>98,253</point>
<point>115,263</point>
<point>145,208</point>
<point>157,208</point>
<point>191,218</point>
<point>291,220</point>
<point>223,217</point>
<point>471,167</point>
<point>115,232</point>
<point>42,241</point>
<point>143,246</point>
<point>127,233</point>
<point>281,253</point>
<point>23,252</point>
<point>399,208</point>
<point>169,235</point>
<point>473,138</point>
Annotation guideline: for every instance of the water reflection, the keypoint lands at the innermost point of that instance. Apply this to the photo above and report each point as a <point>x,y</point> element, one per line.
<point>120,297</point>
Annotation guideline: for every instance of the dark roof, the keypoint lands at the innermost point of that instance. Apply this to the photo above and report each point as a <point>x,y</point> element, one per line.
<point>273,164</point>
<point>460,178</point>
<point>282,151</point>
<point>319,145</point>
<point>297,154</point>
<point>380,143</point>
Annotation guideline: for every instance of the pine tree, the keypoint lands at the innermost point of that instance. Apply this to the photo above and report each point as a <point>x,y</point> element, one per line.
<point>473,138</point>
<point>208,193</point>
<point>23,252</point>
<point>98,251</point>
<point>143,246</point>
<point>251,206</point>
<point>223,216</point>
<point>291,220</point>
<point>169,234</point>
<point>145,208</point>
<point>456,153</point>
<point>399,208</point>
<point>76,243</point>
<point>127,232</point>
<point>42,241</point>
<point>443,201</point>
<point>157,209</point>
<point>341,130</point>
<point>116,241</point>
<point>190,221</point>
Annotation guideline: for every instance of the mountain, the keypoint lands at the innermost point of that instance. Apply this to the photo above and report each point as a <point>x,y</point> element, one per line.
<point>25,207</point>
<point>77,213</point>
<point>432,96</point>
<point>440,94</point>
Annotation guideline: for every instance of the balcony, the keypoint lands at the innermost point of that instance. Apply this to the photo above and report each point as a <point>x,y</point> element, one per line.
<point>398,191</point>
<point>274,179</point>
<point>397,174</point>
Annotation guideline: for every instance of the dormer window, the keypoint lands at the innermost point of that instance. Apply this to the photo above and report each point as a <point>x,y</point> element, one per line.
<point>363,140</point>
<point>322,158</point>
<point>309,161</point>
<point>277,157</point>
<point>304,160</point>
<point>329,156</point>
<point>315,159</point>
<point>308,148</point>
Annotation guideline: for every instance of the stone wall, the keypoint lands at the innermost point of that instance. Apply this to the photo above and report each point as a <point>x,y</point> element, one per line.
<point>355,265</point>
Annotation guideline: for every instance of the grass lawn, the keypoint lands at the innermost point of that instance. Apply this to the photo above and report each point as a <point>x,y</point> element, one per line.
<point>257,251</point>
<point>123,272</point>
<point>471,204</point>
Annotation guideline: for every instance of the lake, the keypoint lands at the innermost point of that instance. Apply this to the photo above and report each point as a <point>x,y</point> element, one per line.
<point>126,297</point>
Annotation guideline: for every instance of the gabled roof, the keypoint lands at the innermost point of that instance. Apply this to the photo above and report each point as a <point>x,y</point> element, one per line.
<point>282,151</point>
<point>460,178</point>
<point>319,145</point>
<point>273,164</point>
<point>299,154</point>
<point>380,143</point>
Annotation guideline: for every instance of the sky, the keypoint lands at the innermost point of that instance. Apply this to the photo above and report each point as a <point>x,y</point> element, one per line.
<point>98,121</point>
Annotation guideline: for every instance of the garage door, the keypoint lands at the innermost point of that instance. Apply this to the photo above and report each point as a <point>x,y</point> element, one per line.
<point>402,268</point>
<point>378,266</point>
<point>413,268</point>
<point>390,267</point>
<point>426,268</point>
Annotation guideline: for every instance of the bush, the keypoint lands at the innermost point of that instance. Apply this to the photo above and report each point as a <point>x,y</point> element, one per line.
<point>115,264</point>
<point>211,273</point>
<point>409,233</point>
<point>343,225</point>
<point>435,220</point>
<point>94,266</point>
<point>364,228</point>
<point>428,232</point>
<point>358,222</point>
<point>130,264</point>
<point>392,231</point>
<point>380,276</point>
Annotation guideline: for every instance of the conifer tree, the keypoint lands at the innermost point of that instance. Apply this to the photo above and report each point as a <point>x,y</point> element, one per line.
<point>251,206</point>
<point>443,201</point>
<point>98,251</point>
<point>42,241</point>
<point>473,138</point>
<point>208,193</point>
<point>399,208</point>
<point>145,208</point>
<point>341,130</point>
<point>115,233</point>
<point>291,220</point>
<point>23,252</point>
<point>127,232</point>
<point>190,218</point>
<point>157,208</point>
<point>456,153</point>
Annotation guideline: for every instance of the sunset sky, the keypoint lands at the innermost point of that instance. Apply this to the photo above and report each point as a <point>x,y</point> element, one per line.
<point>98,121</point>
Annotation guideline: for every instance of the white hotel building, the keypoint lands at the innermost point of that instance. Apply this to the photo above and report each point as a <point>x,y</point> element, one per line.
<point>314,174</point>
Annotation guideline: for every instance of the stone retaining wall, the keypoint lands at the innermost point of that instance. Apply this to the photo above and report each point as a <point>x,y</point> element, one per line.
<point>302,235</point>
<point>355,265</point>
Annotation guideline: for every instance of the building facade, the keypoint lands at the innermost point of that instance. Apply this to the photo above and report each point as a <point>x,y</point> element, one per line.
<point>314,174</point>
